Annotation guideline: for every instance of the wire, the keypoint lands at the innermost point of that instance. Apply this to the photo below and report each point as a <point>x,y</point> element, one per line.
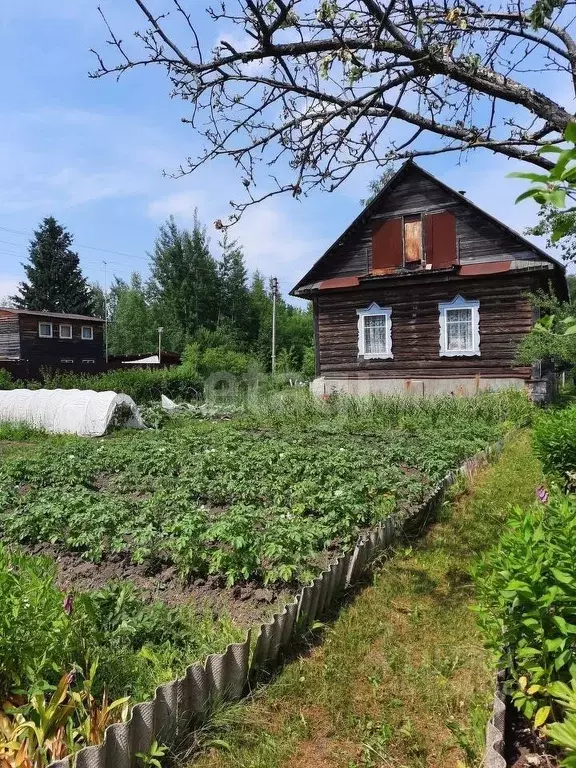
<point>79,245</point>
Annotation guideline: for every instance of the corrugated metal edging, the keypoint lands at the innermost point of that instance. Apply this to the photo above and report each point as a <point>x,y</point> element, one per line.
<point>494,757</point>
<point>177,705</point>
<point>168,717</point>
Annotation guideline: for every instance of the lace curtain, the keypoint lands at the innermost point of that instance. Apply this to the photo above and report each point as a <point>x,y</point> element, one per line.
<point>375,334</point>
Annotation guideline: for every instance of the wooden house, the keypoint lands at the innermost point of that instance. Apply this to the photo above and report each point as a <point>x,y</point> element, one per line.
<point>51,339</point>
<point>425,293</point>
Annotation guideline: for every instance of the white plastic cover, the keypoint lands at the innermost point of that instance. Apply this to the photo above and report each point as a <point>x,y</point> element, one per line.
<point>67,411</point>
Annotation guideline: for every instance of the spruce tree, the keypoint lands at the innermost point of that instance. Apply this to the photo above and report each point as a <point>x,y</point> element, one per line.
<point>55,281</point>
<point>233,304</point>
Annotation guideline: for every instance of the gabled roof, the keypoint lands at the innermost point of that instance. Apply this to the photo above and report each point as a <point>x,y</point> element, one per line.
<point>365,214</point>
<point>45,313</point>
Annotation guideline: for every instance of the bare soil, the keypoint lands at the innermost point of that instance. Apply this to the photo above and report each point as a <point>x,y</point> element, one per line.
<point>246,604</point>
<point>525,747</point>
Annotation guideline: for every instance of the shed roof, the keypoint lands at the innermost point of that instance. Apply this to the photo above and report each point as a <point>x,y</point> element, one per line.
<point>46,313</point>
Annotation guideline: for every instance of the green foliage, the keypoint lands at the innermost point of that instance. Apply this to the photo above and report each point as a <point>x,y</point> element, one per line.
<point>553,337</point>
<point>141,385</point>
<point>133,330</point>
<point>55,281</point>
<point>555,445</point>
<point>527,594</point>
<point>555,188</point>
<point>309,363</point>
<point>5,379</point>
<point>34,629</point>
<point>551,220</point>
<point>258,497</point>
<point>136,644</point>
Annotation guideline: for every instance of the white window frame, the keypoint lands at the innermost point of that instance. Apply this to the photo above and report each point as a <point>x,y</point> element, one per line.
<point>65,325</point>
<point>459,303</point>
<point>87,328</point>
<point>89,361</point>
<point>45,335</point>
<point>372,311</point>
<point>67,360</point>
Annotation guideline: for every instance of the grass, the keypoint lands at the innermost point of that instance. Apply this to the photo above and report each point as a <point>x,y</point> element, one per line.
<point>401,678</point>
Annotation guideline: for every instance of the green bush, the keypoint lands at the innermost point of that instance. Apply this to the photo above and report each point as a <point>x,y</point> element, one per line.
<point>309,363</point>
<point>141,385</point>
<point>138,645</point>
<point>35,631</point>
<point>5,379</point>
<point>555,444</point>
<point>527,599</point>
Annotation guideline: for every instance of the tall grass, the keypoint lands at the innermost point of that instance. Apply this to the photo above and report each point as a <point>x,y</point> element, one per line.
<point>299,408</point>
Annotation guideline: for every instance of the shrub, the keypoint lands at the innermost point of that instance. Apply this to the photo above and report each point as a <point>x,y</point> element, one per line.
<point>555,444</point>
<point>309,363</point>
<point>34,628</point>
<point>5,379</point>
<point>141,385</point>
<point>527,599</point>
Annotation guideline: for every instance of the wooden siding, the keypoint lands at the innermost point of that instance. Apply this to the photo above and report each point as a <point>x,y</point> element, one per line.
<point>9,336</point>
<point>505,317</point>
<point>52,351</point>
<point>477,236</point>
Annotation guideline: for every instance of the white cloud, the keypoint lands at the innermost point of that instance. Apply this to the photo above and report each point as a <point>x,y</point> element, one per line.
<point>274,236</point>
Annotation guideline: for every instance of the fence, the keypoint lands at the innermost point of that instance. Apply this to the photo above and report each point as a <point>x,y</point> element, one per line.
<point>179,706</point>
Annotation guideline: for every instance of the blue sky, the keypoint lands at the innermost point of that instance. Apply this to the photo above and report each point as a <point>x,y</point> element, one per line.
<point>92,153</point>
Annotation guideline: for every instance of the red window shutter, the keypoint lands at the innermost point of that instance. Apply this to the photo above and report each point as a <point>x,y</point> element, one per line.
<point>441,239</point>
<point>387,244</point>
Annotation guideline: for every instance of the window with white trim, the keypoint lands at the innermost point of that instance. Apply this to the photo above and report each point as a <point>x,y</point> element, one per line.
<point>91,362</point>
<point>87,332</point>
<point>66,360</point>
<point>45,330</point>
<point>375,333</point>
<point>459,328</point>
<point>65,331</point>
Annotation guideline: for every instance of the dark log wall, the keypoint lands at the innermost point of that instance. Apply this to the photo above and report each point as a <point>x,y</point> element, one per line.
<point>9,337</point>
<point>477,236</point>
<point>505,317</point>
<point>52,351</point>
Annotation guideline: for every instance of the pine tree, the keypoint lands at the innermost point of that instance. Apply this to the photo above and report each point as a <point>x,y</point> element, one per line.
<point>55,281</point>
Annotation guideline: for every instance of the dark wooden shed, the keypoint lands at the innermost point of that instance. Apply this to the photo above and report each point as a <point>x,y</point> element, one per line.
<point>52,339</point>
<point>426,293</point>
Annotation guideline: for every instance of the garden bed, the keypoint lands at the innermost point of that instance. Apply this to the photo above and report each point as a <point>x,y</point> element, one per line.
<point>226,520</point>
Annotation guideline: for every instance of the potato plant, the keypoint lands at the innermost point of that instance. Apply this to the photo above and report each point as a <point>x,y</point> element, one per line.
<point>242,499</point>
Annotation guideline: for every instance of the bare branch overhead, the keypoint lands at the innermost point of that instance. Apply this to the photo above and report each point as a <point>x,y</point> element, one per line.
<point>308,90</point>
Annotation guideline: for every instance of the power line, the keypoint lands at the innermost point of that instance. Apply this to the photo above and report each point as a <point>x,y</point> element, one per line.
<point>79,245</point>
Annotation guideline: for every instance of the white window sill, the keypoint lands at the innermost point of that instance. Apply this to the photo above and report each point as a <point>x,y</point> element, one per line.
<point>388,356</point>
<point>459,353</point>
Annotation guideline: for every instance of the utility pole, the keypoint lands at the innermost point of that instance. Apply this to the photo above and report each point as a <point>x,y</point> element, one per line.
<point>274,297</point>
<point>105,313</point>
<point>160,344</point>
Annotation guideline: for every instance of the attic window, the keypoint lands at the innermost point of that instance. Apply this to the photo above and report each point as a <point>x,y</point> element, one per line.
<point>412,239</point>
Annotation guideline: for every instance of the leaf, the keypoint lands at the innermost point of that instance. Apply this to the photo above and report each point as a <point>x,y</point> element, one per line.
<point>549,149</point>
<point>570,132</point>
<point>537,177</point>
<point>541,716</point>
<point>559,575</point>
<point>524,195</point>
